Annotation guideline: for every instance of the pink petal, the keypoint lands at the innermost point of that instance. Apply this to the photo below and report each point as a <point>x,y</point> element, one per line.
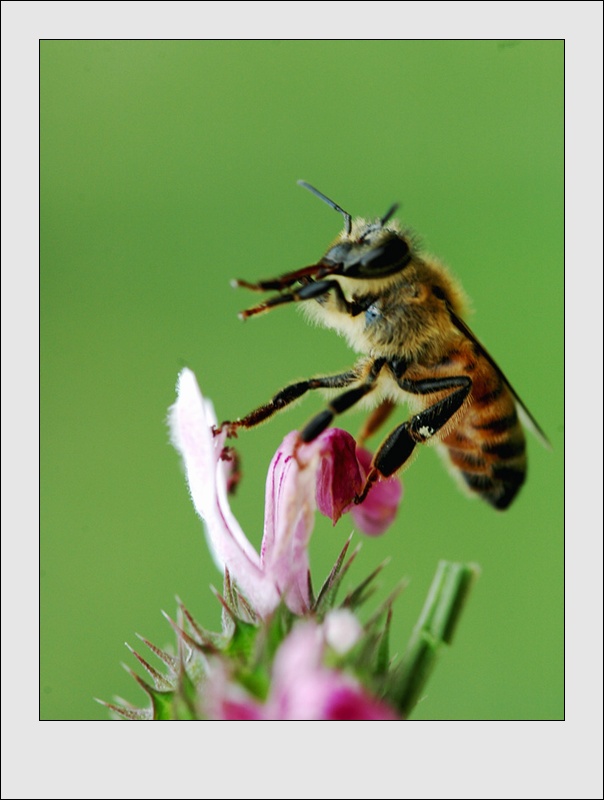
<point>191,419</point>
<point>377,512</point>
<point>339,477</point>
<point>324,472</point>
<point>289,519</point>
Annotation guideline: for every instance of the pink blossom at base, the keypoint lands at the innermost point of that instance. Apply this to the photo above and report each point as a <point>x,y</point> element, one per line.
<point>238,710</point>
<point>302,687</point>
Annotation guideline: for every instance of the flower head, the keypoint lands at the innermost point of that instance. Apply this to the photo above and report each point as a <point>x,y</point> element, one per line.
<point>326,474</point>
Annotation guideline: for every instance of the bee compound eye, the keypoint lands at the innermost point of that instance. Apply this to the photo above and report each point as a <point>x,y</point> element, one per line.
<point>391,257</point>
<point>388,258</point>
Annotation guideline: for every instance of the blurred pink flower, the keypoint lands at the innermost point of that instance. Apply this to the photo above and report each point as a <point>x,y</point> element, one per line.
<point>302,687</point>
<point>326,473</point>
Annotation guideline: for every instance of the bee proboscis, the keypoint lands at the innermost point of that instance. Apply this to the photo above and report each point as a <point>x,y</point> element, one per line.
<point>403,312</point>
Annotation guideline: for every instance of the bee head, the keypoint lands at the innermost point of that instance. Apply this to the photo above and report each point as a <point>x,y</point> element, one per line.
<point>365,250</point>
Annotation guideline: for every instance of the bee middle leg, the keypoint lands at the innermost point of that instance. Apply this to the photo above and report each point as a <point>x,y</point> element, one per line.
<point>343,402</point>
<point>400,444</point>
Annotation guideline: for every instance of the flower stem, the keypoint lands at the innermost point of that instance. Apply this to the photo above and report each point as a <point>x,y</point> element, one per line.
<point>435,626</point>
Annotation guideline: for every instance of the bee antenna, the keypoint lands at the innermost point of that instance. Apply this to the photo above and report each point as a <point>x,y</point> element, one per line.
<point>389,213</point>
<point>335,206</point>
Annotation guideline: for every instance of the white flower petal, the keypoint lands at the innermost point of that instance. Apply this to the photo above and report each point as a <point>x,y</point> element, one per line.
<point>191,419</point>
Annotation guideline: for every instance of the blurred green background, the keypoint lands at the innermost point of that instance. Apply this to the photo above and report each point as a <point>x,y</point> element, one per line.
<point>169,167</point>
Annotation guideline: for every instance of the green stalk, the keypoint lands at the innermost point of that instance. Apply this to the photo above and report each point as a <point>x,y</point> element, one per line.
<point>435,627</point>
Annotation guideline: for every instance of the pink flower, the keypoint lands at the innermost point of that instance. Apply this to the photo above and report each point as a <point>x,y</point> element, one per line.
<point>302,686</point>
<point>327,473</point>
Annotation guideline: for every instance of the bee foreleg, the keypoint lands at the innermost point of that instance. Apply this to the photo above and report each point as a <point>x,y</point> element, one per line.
<point>309,291</point>
<point>342,403</point>
<point>286,280</point>
<point>287,396</point>
<point>400,444</point>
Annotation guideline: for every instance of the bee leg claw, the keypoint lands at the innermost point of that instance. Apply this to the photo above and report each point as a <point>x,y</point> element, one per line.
<point>370,480</point>
<point>229,427</point>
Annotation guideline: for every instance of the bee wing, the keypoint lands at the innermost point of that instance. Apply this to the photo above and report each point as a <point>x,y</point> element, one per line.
<point>527,419</point>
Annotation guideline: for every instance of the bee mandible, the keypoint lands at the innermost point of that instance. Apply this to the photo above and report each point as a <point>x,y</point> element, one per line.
<point>403,312</point>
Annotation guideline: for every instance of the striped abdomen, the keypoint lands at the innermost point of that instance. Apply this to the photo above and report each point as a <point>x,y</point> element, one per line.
<point>487,447</point>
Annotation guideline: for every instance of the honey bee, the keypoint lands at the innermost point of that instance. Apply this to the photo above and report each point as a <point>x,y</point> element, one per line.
<point>403,312</point>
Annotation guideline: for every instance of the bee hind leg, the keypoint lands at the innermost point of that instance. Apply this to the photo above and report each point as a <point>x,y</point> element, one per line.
<point>398,446</point>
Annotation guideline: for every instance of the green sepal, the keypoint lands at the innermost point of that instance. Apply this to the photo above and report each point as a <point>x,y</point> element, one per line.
<point>327,594</point>
<point>163,705</point>
<point>241,644</point>
<point>364,590</point>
